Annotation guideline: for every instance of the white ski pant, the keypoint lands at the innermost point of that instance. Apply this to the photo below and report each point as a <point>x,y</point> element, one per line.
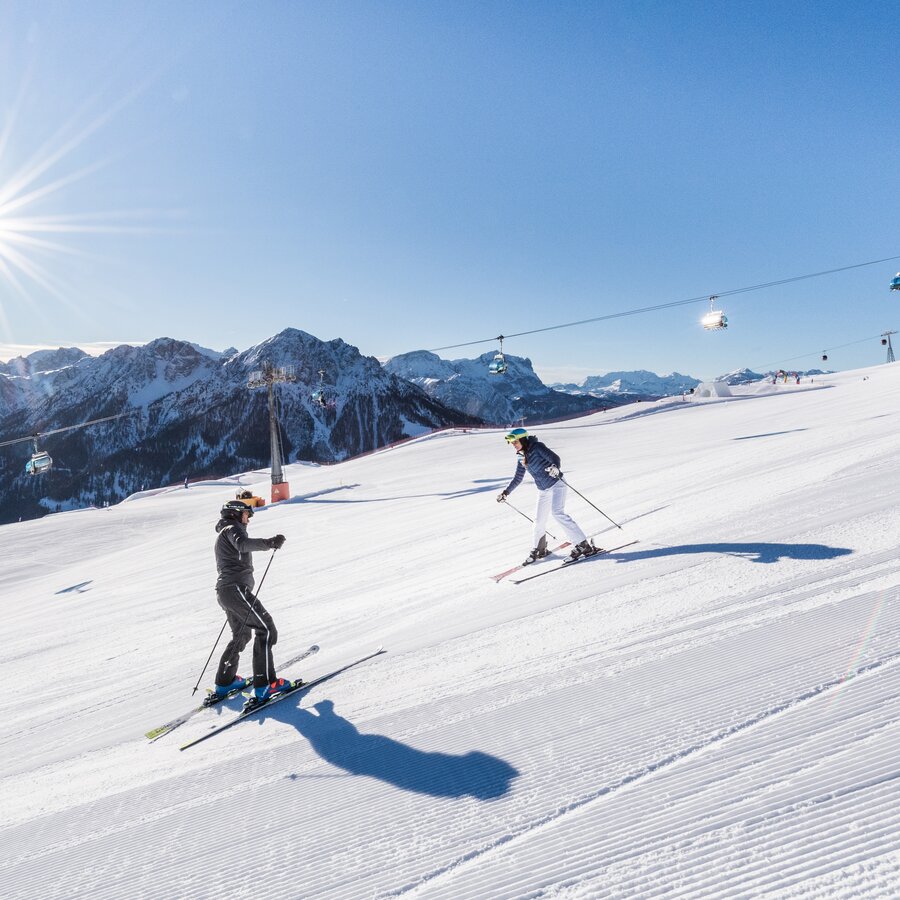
<point>553,500</point>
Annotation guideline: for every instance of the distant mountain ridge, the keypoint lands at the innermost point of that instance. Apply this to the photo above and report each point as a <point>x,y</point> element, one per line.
<point>639,384</point>
<point>643,385</point>
<point>467,386</point>
<point>189,413</point>
<point>748,376</point>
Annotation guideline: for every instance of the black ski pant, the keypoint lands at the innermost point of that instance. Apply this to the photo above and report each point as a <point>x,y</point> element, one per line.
<point>246,615</point>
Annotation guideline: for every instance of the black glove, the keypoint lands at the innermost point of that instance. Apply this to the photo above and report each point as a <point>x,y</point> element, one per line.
<point>501,497</point>
<point>277,542</point>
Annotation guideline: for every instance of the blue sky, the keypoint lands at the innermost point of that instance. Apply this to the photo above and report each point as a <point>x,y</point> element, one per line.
<point>411,175</point>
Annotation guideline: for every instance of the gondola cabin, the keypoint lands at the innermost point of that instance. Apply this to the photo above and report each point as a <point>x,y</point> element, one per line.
<point>714,320</point>
<point>38,464</point>
<point>498,365</point>
<point>895,282</point>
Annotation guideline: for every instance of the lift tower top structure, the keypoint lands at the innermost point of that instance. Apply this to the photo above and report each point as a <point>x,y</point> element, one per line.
<point>268,377</point>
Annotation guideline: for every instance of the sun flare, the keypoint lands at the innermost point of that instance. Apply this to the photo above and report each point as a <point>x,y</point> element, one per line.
<point>39,229</point>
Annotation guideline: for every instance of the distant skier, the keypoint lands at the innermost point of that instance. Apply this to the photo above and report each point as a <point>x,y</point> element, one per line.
<point>543,465</point>
<point>234,591</point>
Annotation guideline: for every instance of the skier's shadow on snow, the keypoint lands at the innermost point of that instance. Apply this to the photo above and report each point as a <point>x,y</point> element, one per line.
<point>758,553</point>
<point>339,742</point>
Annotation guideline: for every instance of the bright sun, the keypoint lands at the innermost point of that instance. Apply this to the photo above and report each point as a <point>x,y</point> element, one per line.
<point>35,234</point>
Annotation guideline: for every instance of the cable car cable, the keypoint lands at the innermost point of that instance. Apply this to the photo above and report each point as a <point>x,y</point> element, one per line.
<point>816,353</point>
<point>672,304</point>
<point>40,434</point>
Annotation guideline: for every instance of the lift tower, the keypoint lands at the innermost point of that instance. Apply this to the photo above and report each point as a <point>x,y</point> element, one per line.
<point>886,339</point>
<point>268,377</point>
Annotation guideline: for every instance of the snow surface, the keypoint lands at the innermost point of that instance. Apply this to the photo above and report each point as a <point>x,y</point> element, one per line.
<point>712,712</point>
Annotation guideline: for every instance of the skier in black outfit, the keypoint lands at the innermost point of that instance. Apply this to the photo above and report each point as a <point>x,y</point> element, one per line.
<point>234,591</point>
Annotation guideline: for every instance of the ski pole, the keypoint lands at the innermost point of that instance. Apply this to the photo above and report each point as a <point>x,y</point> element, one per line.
<point>519,511</point>
<point>219,638</point>
<point>566,483</point>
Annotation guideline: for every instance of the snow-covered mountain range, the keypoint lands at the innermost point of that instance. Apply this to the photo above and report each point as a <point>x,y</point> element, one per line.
<point>638,385</point>
<point>186,411</point>
<point>748,376</point>
<point>467,386</point>
<point>189,413</point>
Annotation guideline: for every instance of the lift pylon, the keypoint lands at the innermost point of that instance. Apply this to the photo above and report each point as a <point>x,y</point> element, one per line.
<point>268,377</point>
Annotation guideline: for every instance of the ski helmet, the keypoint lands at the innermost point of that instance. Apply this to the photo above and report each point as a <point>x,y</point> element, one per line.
<point>244,495</point>
<point>234,509</point>
<point>516,435</point>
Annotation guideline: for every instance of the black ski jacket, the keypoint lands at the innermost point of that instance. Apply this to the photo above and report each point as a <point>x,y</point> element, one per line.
<point>234,554</point>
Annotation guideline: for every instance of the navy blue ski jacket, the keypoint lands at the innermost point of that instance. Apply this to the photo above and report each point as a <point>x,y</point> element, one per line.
<point>538,457</point>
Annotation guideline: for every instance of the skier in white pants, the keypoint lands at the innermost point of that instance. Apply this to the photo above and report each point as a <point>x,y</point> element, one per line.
<point>543,465</point>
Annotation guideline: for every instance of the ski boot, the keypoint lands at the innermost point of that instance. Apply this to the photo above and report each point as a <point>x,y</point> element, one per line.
<point>534,556</point>
<point>265,693</point>
<point>223,691</point>
<point>539,552</point>
<point>582,551</point>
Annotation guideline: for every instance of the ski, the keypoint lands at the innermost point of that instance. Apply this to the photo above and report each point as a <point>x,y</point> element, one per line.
<point>209,702</point>
<point>551,551</point>
<point>295,687</point>
<point>569,563</point>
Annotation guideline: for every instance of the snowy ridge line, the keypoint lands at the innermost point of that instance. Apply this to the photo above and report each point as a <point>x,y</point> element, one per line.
<point>646,772</point>
<point>450,430</point>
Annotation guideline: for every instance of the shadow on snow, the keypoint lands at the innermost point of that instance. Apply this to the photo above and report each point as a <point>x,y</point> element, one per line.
<point>486,485</point>
<point>340,743</point>
<point>759,553</point>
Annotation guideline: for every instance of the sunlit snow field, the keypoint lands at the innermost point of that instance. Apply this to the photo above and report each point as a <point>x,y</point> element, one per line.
<point>710,712</point>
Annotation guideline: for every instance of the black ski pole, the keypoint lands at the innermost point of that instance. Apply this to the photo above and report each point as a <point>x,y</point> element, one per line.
<point>519,511</point>
<point>219,638</point>
<point>566,483</point>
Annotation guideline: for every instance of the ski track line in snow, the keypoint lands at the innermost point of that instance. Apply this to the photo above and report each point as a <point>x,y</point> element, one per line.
<point>782,794</point>
<point>628,843</point>
<point>567,850</point>
<point>650,771</point>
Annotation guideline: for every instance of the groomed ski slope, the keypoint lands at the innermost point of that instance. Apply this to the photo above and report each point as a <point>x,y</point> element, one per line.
<point>712,712</point>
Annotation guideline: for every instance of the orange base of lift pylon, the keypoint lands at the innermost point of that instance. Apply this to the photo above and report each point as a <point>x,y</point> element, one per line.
<point>281,492</point>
